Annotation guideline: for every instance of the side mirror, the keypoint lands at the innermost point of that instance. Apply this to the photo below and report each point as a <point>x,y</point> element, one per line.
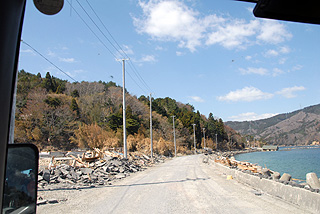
<point>20,191</point>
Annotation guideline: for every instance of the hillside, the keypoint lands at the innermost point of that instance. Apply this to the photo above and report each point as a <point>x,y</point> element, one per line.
<point>300,127</point>
<point>56,114</point>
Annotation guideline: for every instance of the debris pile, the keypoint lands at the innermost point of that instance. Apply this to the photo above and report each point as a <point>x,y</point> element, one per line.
<point>90,169</point>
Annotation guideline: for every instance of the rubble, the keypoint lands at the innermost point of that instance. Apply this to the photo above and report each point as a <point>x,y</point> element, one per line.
<point>90,169</point>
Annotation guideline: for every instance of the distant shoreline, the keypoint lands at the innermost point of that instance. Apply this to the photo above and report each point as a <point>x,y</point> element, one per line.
<point>288,148</point>
<point>297,161</point>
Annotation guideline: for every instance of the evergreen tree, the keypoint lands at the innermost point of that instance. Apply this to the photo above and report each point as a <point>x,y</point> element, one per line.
<point>75,93</point>
<point>47,83</point>
<point>74,107</point>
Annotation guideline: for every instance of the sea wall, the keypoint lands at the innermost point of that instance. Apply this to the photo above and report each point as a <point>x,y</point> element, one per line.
<point>304,198</point>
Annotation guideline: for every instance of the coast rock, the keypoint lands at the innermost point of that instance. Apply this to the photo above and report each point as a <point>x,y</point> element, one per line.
<point>266,172</point>
<point>313,180</point>
<point>285,177</point>
<point>276,175</point>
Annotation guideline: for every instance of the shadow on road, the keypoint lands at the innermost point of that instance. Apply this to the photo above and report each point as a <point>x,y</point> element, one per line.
<point>161,182</point>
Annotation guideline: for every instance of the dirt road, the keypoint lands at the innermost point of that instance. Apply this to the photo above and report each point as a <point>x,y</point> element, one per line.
<point>181,185</point>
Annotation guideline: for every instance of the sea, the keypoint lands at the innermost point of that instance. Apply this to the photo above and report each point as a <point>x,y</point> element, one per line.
<point>296,161</point>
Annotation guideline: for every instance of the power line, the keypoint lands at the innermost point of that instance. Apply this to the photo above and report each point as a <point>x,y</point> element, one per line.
<point>98,28</point>
<point>130,63</point>
<point>106,29</point>
<point>92,31</point>
<point>141,79</point>
<point>115,41</point>
<point>48,60</point>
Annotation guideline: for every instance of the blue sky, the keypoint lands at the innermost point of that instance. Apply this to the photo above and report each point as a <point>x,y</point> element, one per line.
<point>214,55</point>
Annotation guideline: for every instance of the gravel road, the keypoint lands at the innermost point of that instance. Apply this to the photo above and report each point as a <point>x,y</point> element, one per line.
<point>181,185</point>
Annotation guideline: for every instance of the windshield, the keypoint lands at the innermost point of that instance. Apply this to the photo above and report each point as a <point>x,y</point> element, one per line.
<point>215,77</point>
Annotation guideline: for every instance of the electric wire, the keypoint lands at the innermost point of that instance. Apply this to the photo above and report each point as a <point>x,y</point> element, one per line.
<point>92,31</point>
<point>98,27</point>
<point>102,41</point>
<point>48,60</point>
<point>115,41</point>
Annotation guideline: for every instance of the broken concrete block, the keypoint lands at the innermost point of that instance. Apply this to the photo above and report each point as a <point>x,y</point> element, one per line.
<point>86,170</point>
<point>64,172</point>
<point>116,162</point>
<point>266,172</point>
<point>74,175</point>
<point>275,175</point>
<point>313,180</point>
<point>121,169</point>
<point>285,177</point>
<point>120,175</point>
<point>46,175</point>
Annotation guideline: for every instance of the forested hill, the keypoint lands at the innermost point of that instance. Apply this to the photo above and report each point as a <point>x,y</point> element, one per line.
<point>56,114</point>
<point>300,127</point>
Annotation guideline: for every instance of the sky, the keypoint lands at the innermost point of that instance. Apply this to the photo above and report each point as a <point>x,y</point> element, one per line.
<point>214,55</point>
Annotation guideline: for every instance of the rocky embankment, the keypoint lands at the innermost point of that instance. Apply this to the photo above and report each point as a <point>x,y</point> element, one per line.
<point>312,182</point>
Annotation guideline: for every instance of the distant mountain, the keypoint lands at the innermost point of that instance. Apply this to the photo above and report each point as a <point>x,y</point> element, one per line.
<point>300,127</point>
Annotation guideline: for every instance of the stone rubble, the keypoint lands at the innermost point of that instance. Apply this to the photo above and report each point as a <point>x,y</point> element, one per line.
<point>92,174</point>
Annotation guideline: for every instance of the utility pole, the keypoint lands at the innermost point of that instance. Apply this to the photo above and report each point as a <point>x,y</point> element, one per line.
<point>124,108</point>
<point>151,142</point>
<point>194,138</point>
<point>204,137</point>
<point>217,142</point>
<point>174,138</point>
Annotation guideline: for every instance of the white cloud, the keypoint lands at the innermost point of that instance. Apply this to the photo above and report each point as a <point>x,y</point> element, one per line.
<point>148,58</point>
<point>250,9</point>
<point>128,50</point>
<point>282,61</point>
<point>281,50</point>
<point>197,99</point>
<point>277,72</point>
<point>289,92</point>
<point>260,71</point>
<point>179,53</point>
<point>273,32</point>
<point>172,20</point>
<point>159,48</point>
<point>79,71</point>
<point>234,34</point>
<point>248,57</point>
<point>247,94</point>
<point>271,53</point>
<point>297,68</point>
<point>250,116</point>
<point>70,74</point>
<point>27,51</point>
<point>285,50</point>
<point>50,53</point>
<point>68,60</point>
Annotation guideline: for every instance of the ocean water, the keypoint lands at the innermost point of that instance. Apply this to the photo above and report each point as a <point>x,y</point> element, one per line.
<point>297,161</point>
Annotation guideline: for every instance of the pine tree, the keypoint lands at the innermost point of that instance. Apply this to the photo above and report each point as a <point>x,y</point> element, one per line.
<point>74,107</point>
<point>47,83</point>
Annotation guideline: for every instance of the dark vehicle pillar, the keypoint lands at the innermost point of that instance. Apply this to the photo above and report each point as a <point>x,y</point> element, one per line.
<point>11,19</point>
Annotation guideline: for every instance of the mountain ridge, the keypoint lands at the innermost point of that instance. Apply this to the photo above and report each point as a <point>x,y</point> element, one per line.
<point>300,127</point>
